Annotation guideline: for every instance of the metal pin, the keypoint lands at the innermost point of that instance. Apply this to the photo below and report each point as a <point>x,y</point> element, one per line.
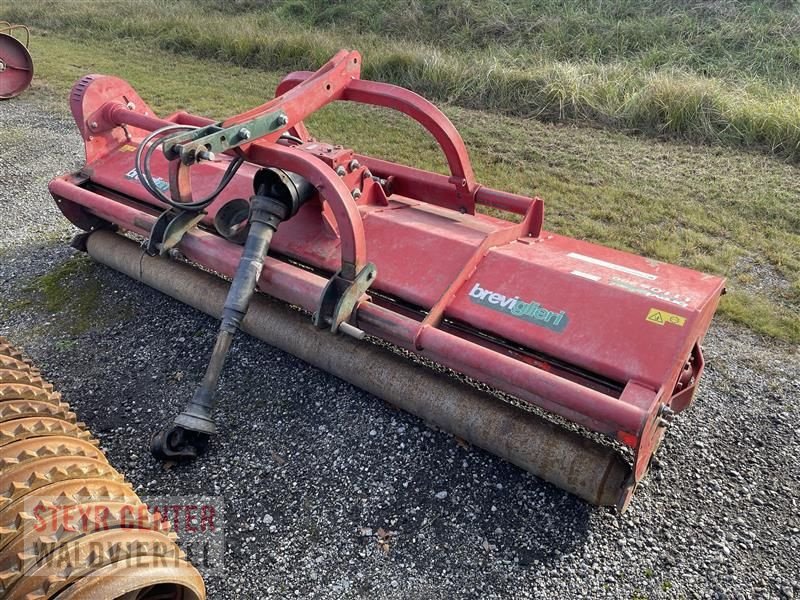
<point>351,330</point>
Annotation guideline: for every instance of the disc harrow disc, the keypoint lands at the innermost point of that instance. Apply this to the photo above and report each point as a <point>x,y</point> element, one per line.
<point>7,362</point>
<point>23,378</point>
<point>81,557</point>
<point>26,552</point>
<point>71,492</point>
<point>147,578</point>
<point>6,349</point>
<point>19,475</point>
<point>16,67</point>
<point>31,449</point>
<point>29,477</point>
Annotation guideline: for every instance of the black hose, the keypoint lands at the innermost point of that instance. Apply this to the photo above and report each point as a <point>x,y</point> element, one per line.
<point>145,175</point>
<point>142,165</point>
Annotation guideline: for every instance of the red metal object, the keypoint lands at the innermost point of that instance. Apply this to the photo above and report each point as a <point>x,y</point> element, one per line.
<point>16,64</point>
<point>604,338</point>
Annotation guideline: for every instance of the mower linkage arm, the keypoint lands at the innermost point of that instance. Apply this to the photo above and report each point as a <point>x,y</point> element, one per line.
<point>279,192</point>
<point>272,118</point>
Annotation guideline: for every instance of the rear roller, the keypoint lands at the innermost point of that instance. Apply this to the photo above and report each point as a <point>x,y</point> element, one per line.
<point>583,467</point>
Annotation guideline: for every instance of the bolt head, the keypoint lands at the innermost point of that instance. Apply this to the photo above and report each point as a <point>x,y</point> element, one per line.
<point>356,193</point>
<point>244,133</point>
<point>283,119</point>
<point>130,106</point>
<point>340,171</point>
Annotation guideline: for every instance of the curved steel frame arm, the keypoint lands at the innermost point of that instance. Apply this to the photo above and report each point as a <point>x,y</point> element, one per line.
<point>413,105</point>
<point>318,89</point>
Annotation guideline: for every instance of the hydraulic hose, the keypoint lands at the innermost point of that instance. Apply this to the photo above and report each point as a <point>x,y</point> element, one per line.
<point>142,165</point>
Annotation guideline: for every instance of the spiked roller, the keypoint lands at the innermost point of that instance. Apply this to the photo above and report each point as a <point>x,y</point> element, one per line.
<point>18,409</point>
<point>50,468</point>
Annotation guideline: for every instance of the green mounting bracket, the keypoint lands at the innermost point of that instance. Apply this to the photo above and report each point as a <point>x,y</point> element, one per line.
<point>201,144</point>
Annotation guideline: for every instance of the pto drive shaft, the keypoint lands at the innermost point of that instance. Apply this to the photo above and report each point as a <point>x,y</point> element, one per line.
<point>279,195</point>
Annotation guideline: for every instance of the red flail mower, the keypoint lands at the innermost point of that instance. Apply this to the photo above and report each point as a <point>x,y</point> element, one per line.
<point>400,280</point>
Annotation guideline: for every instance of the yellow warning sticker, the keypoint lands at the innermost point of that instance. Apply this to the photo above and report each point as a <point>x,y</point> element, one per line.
<point>127,148</point>
<point>659,317</point>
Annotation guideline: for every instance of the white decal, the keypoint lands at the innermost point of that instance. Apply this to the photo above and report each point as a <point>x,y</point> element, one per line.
<point>586,275</point>
<point>608,265</point>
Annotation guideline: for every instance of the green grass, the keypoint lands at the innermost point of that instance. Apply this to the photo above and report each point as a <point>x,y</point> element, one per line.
<point>716,72</point>
<point>716,209</point>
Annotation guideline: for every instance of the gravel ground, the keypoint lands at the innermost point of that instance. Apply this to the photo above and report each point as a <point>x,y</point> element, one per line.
<point>310,468</point>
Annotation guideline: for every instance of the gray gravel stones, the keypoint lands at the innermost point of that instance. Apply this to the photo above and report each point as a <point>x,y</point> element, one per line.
<point>331,493</point>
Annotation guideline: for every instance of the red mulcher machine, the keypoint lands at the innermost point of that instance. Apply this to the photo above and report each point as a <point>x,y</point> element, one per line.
<point>394,269</point>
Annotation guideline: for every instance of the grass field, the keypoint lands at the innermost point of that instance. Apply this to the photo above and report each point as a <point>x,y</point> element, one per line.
<point>716,71</point>
<point>714,206</point>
